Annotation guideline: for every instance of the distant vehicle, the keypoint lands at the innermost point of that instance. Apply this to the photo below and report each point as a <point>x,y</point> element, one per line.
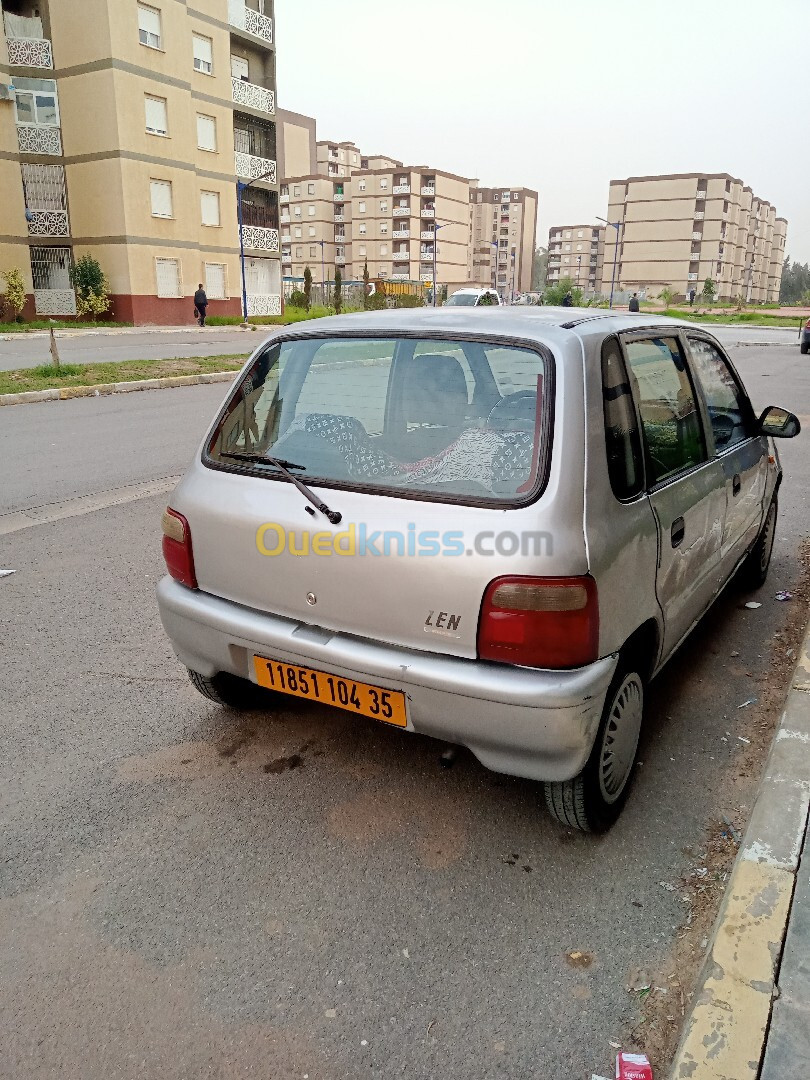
<point>603,477</point>
<point>474,298</point>
<point>805,344</point>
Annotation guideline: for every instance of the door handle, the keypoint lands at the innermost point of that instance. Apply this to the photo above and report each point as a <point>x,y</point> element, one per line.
<point>677,532</point>
<point>735,484</point>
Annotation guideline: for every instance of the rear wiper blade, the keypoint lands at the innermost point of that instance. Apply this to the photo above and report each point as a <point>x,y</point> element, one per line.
<point>334,516</point>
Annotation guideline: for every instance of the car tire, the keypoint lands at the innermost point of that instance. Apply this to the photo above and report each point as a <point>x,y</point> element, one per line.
<point>593,800</point>
<point>804,348</point>
<point>229,690</point>
<point>754,571</point>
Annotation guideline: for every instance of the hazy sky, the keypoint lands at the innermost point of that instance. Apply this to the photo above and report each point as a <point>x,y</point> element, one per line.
<point>563,96</point>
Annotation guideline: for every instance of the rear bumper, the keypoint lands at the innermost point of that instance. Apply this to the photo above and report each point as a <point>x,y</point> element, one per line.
<point>521,721</point>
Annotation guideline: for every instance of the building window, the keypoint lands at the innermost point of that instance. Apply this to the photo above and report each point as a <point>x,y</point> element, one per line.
<point>313,251</point>
<point>203,53</point>
<point>297,211</point>
<point>239,68</point>
<point>36,102</point>
<point>383,249</point>
<point>383,184</point>
<point>206,132</point>
<point>384,228</point>
<point>167,273</point>
<point>160,192</point>
<point>383,207</point>
<point>311,230</point>
<point>299,253</point>
<point>215,281</point>
<point>296,191</point>
<point>311,211</point>
<point>579,234</point>
<point>149,26</point>
<point>363,228</point>
<point>209,207</point>
<point>361,208</point>
<point>297,234</point>
<point>362,249</point>
<point>157,122</point>
<point>310,189</point>
<point>567,246</point>
<point>361,185</point>
<point>579,246</point>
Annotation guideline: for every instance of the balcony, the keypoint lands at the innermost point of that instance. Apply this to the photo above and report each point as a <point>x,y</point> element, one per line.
<point>254,236</point>
<point>401,189</point>
<point>400,275</point>
<point>286,238</point>
<point>701,195</point>
<point>340,197</point>
<point>283,199</point>
<point>285,219</point>
<point>428,212</point>
<point>48,223</point>
<point>250,21</point>
<point>340,237</point>
<point>250,167</point>
<point>339,217</point>
<point>697,236</point>
<point>253,96</point>
<point>428,189</point>
<point>426,256</point>
<point>402,211</point>
<point>340,260</point>
<point>691,277</point>
<point>26,45</point>
<point>403,255</point>
<point>698,215</point>
<point>39,139</point>
<point>401,234</point>
<point>427,234</point>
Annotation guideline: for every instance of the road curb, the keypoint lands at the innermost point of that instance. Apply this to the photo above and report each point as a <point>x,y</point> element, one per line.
<point>726,1030</point>
<point>65,393</point>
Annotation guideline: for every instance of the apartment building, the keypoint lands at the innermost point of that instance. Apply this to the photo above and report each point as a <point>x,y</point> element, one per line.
<point>123,135</point>
<point>315,226</point>
<point>503,231</point>
<point>404,217</point>
<point>676,231</point>
<point>576,252</point>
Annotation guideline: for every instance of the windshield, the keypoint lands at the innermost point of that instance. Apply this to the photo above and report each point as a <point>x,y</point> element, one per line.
<point>465,419</point>
<point>462,299</point>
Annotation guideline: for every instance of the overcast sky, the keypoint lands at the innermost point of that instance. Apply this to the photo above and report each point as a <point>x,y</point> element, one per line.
<point>563,96</point>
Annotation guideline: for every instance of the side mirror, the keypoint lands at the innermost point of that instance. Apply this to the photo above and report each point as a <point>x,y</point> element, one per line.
<point>779,423</point>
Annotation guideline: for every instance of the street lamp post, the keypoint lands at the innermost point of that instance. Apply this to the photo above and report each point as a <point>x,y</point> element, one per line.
<point>494,243</point>
<point>617,225</point>
<point>435,249</point>
<point>241,188</point>
<point>323,276</point>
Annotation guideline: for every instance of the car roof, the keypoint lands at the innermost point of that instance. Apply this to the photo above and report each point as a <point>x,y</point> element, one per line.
<point>519,321</point>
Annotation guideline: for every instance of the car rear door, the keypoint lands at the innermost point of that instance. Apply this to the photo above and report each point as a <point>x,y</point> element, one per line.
<point>742,452</point>
<point>685,482</point>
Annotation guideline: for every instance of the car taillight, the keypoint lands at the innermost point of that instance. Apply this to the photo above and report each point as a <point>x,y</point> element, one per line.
<point>540,622</point>
<point>177,548</point>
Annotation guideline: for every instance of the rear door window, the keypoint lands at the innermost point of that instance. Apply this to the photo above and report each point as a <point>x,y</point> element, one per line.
<point>622,439</point>
<point>464,420</point>
<point>670,421</point>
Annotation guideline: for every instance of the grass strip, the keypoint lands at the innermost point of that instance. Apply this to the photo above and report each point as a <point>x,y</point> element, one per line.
<point>47,377</point>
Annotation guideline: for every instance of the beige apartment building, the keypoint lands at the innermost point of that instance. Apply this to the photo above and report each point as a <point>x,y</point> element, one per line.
<point>503,231</point>
<point>676,231</point>
<point>576,252</point>
<point>123,134</point>
<point>315,226</point>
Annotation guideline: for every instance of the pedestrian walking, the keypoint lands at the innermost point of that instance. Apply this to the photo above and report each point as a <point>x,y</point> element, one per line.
<point>691,297</point>
<point>633,305</point>
<point>568,300</point>
<point>200,304</point>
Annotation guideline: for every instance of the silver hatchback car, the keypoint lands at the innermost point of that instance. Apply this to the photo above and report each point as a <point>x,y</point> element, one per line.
<point>493,528</point>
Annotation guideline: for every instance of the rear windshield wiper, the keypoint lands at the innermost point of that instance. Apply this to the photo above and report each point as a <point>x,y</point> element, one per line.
<point>334,516</point>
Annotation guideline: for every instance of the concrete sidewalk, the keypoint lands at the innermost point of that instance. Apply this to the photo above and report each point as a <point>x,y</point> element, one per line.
<point>750,1013</point>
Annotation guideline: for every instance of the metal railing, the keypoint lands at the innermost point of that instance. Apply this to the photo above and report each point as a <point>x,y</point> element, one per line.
<point>39,139</point>
<point>250,167</point>
<point>30,52</point>
<point>252,22</point>
<point>253,96</point>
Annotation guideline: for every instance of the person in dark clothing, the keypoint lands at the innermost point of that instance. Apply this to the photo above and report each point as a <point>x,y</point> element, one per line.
<point>200,304</point>
<point>691,297</point>
<point>568,300</point>
<point>633,305</point>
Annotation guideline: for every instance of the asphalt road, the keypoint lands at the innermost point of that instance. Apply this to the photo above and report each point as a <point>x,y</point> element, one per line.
<point>172,905</point>
<point>29,350</point>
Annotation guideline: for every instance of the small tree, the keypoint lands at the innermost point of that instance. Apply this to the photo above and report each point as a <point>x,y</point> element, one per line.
<point>666,296</point>
<point>307,288</point>
<point>338,298</point>
<point>555,294</point>
<point>14,296</point>
<point>708,290</point>
<point>91,287</point>
<point>366,282</point>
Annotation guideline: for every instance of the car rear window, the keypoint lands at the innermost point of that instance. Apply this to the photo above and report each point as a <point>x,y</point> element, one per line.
<point>445,419</point>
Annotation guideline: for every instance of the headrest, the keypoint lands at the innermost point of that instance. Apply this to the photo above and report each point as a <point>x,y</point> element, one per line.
<point>435,390</point>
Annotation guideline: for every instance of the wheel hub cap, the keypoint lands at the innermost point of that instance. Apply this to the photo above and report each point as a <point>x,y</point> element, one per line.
<point>621,738</point>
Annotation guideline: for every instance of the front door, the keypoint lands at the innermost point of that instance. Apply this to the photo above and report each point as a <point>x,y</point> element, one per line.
<point>685,483</point>
<point>741,451</point>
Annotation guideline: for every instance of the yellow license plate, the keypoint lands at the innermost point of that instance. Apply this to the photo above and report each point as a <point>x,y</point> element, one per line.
<point>357,697</point>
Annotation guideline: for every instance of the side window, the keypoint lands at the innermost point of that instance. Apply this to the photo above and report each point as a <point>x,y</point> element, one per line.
<point>622,439</point>
<point>673,436</point>
<point>727,404</point>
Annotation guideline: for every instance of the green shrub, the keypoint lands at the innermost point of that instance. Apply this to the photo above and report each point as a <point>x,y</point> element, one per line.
<point>297,299</point>
<point>409,300</point>
<point>14,295</point>
<point>91,286</point>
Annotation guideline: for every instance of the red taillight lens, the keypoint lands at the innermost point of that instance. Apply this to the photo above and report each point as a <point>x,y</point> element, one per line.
<point>540,622</point>
<point>177,548</point>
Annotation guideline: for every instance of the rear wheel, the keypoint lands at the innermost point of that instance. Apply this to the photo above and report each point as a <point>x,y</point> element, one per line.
<point>593,800</point>
<point>804,348</point>
<point>229,690</point>
<point>754,571</point>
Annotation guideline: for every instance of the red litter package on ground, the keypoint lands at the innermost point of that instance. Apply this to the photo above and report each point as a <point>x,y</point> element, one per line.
<point>633,1067</point>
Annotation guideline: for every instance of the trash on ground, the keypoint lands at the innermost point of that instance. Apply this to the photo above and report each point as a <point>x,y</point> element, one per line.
<point>735,653</point>
<point>751,701</point>
<point>633,1067</point>
<point>752,604</point>
<point>614,1044</point>
<point>579,959</point>
<point>7,573</point>
<point>639,981</point>
<point>734,834</point>
<point>666,885</point>
<point>782,595</point>
<point>742,738</point>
